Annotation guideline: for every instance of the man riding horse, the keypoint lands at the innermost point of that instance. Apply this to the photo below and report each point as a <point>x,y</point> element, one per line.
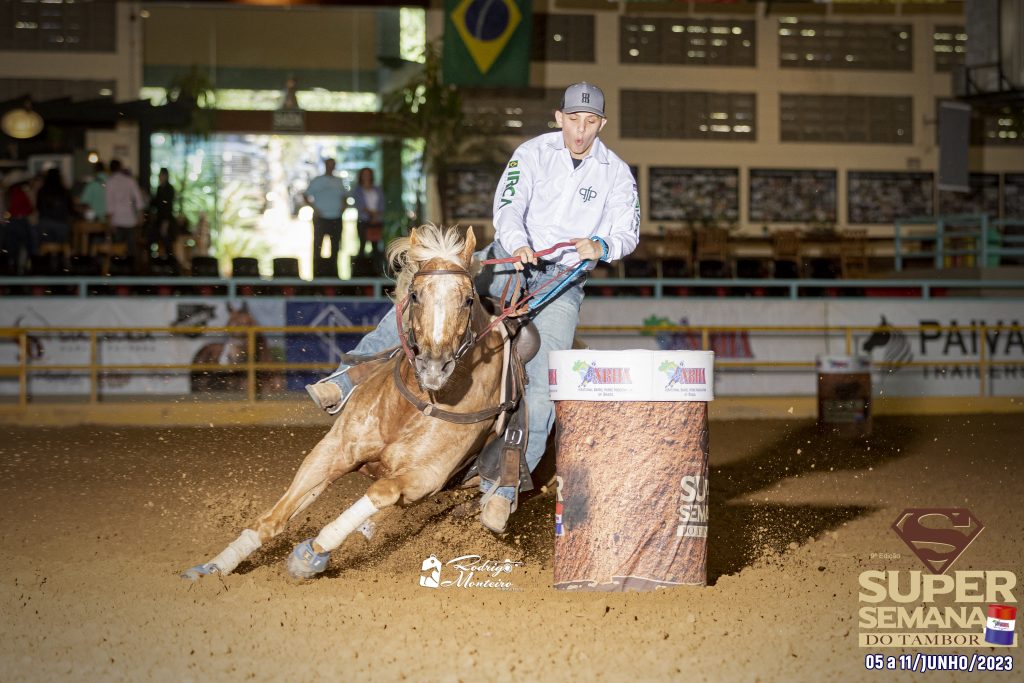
<point>557,187</point>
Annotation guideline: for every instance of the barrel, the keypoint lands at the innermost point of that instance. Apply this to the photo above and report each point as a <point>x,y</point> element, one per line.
<point>844,395</point>
<point>632,483</point>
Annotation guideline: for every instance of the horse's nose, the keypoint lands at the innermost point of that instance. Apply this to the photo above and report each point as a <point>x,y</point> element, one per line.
<point>433,372</point>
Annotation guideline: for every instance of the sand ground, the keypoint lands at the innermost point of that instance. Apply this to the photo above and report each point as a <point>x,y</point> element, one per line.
<point>97,523</point>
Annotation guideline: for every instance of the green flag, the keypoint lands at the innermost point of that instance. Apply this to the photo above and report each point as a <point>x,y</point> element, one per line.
<point>487,42</point>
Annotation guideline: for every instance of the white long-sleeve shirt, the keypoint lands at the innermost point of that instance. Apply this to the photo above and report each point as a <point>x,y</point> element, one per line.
<point>542,200</point>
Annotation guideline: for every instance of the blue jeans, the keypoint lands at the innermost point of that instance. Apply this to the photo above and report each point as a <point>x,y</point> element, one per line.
<point>556,323</point>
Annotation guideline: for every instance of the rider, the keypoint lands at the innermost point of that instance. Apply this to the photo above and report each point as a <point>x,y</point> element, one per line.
<point>557,187</point>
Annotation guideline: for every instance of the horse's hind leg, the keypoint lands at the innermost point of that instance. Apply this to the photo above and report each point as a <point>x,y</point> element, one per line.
<point>328,460</point>
<point>310,557</point>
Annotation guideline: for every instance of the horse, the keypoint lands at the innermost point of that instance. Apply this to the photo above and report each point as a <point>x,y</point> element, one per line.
<point>234,350</point>
<point>452,365</point>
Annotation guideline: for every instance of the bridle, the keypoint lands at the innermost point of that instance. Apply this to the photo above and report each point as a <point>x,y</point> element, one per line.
<point>469,339</point>
<point>517,306</point>
<point>408,338</point>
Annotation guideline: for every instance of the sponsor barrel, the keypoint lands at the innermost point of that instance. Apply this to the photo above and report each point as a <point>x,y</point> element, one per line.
<point>632,487</point>
<point>844,395</point>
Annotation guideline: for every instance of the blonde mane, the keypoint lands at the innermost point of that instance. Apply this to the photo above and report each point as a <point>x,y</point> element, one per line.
<point>432,242</point>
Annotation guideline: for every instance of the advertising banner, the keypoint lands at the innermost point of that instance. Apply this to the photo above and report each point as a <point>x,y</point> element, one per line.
<point>896,355</point>
<point>63,347</point>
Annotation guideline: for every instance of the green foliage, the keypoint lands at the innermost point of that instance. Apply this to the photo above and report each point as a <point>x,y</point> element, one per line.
<point>654,321</point>
<point>425,108</point>
<point>579,366</point>
<point>667,366</point>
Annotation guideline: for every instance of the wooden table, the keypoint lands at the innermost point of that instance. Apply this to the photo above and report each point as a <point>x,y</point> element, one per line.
<point>82,231</point>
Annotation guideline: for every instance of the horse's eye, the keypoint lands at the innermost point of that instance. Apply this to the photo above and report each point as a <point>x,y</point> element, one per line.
<point>469,301</point>
<point>413,298</point>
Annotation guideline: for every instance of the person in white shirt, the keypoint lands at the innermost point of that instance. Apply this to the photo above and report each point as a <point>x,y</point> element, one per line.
<point>124,208</point>
<point>557,187</point>
<point>326,194</point>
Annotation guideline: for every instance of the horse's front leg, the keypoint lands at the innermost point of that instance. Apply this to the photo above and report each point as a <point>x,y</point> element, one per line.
<point>329,460</point>
<point>310,557</point>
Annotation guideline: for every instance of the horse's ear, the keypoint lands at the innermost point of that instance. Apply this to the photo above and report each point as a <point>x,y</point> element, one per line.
<point>467,251</point>
<point>413,239</point>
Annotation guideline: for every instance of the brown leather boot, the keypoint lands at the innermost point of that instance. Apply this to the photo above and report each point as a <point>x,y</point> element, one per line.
<point>494,513</point>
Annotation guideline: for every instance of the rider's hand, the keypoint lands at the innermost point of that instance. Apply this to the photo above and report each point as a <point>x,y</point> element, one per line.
<point>588,249</point>
<point>525,255</point>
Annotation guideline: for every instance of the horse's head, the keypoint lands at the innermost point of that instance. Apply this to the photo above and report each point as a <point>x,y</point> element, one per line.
<point>437,285</point>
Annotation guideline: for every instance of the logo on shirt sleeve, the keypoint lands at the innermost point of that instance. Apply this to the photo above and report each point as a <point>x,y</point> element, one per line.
<point>511,180</point>
<point>514,163</point>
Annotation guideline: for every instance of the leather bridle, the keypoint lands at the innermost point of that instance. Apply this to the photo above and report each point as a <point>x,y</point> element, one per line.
<point>469,339</point>
<point>408,339</point>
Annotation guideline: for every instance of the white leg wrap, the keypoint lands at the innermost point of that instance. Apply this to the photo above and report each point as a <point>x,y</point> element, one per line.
<point>238,550</point>
<point>337,531</point>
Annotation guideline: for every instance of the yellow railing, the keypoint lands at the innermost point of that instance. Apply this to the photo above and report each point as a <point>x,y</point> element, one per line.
<point>251,366</point>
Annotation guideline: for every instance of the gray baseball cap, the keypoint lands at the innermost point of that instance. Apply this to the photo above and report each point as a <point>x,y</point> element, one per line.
<point>585,97</point>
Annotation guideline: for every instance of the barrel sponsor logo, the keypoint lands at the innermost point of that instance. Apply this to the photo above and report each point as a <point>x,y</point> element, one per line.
<point>559,508</point>
<point>678,374</point>
<point>593,374</point>
<point>693,510</point>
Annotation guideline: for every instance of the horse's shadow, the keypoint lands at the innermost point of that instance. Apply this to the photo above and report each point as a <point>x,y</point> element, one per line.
<point>742,531</point>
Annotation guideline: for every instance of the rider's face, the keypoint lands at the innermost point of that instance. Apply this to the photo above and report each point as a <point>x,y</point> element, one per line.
<point>579,130</point>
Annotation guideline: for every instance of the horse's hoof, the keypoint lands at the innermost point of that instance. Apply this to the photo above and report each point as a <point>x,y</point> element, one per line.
<point>199,571</point>
<point>305,563</point>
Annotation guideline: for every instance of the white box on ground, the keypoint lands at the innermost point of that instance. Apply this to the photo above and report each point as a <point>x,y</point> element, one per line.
<point>631,375</point>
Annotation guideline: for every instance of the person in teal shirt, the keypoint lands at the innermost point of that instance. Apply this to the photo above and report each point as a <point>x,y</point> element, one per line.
<point>94,194</point>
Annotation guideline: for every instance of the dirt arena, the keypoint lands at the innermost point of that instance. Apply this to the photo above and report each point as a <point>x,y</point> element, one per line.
<point>97,523</point>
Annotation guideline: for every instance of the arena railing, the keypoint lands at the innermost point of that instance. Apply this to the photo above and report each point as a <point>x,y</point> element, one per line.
<point>231,288</point>
<point>975,237</point>
<point>250,367</point>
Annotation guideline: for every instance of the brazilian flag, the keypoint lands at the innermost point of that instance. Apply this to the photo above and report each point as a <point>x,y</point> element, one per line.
<point>487,42</point>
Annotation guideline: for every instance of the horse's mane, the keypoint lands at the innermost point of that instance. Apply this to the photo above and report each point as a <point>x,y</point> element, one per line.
<point>432,242</point>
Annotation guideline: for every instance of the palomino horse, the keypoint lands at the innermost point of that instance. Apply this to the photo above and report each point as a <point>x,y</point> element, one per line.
<point>453,363</point>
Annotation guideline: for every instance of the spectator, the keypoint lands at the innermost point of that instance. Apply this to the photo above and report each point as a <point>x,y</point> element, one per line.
<point>161,219</point>
<point>124,208</point>
<point>369,201</point>
<point>326,194</point>
<point>94,194</point>
<point>18,238</point>
<point>55,207</point>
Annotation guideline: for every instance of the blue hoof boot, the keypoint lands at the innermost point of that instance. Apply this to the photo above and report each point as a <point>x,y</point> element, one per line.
<point>199,571</point>
<point>305,563</point>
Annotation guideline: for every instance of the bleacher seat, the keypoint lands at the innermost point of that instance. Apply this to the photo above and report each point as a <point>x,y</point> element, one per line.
<point>85,266</point>
<point>325,267</point>
<point>286,267</point>
<point>120,266</point>
<point>245,266</point>
<point>205,266</point>
<point>164,266</point>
